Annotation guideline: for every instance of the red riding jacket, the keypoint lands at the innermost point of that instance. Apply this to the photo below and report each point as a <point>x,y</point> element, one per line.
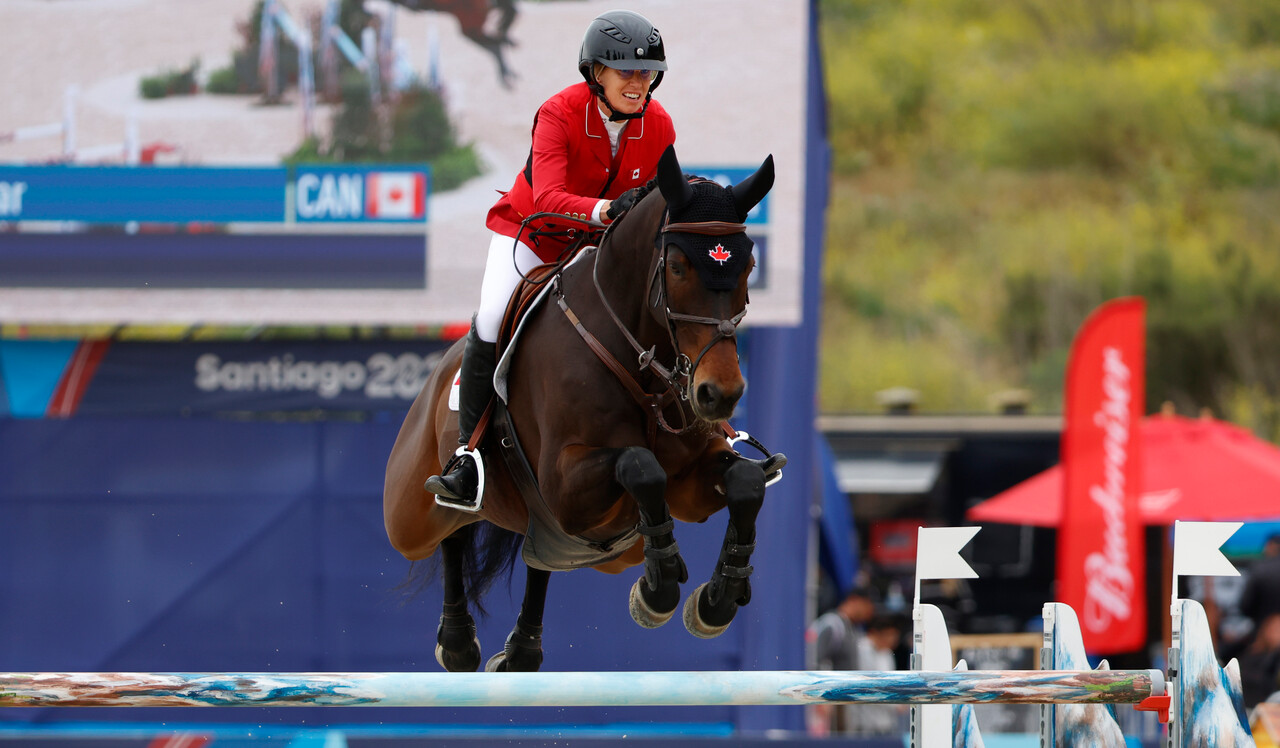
<point>570,166</point>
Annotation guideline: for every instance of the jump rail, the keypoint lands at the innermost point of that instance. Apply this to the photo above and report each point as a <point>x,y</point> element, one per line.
<point>579,689</point>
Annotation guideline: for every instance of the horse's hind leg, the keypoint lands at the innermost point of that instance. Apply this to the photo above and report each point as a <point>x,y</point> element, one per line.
<point>493,45</point>
<point>654,596</point>
<point>711,607</point>
<point>457,647</point>
<point>507,16</point>
<point>523,650</point>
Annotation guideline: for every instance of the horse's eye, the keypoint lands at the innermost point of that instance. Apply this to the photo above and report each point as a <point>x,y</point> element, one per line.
<point>678,263</point>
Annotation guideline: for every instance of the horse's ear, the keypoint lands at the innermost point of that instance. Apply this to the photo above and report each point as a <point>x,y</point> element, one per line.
<point>671,182</point>
<point>750,191</point>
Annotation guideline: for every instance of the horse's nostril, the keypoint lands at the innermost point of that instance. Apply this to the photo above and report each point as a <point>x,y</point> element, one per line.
<point>712,397</point>
<point>736,393</point>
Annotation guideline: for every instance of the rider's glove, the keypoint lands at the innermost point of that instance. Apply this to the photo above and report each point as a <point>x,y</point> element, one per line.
<point>624,202</point>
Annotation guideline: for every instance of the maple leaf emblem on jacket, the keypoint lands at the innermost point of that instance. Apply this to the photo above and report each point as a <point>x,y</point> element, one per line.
<point>719,253</point>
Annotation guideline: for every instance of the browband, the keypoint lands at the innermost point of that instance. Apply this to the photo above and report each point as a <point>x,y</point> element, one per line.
<point>708,228</point>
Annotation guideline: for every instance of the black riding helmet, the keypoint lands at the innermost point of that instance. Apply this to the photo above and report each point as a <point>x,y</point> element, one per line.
<point>622,40</point>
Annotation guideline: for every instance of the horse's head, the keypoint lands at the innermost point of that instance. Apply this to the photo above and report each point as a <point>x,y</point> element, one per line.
<point>698,289</point>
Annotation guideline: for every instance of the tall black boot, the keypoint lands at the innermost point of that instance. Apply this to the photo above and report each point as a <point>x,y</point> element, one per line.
<point>459,483</point>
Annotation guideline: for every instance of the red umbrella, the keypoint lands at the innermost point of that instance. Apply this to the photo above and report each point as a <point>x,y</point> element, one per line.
<point>1193,469</point>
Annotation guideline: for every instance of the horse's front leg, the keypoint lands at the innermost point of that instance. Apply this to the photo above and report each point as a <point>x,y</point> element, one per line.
<point>523,650</point>
<point>711,607</point>
<point>655,596</point>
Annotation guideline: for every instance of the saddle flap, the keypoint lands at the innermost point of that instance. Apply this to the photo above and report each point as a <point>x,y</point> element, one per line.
<point>522,299</point>
<point>527,297</point>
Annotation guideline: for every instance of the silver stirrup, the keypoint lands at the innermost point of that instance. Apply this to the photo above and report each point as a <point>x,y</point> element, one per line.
<point>474,454</point>
<point>744,436</point>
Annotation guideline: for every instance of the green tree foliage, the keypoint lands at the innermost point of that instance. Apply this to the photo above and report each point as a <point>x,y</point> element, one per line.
<point>241,77</point>
<point>1004,166</point>
<point>357,134</point>
<point>413,128</point>
<point>410,127</point>
<point>170,83</point>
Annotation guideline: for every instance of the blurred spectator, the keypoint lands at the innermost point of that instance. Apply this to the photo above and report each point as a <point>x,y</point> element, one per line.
<point>1260,663</point>
<point>854,636</point>
<point>876,652</point>
<point>1260,602</point>
<point>835,634</point>
<point>1260,598</point>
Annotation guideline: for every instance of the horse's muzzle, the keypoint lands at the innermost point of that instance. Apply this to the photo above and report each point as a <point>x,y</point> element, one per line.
<point>714,401</point>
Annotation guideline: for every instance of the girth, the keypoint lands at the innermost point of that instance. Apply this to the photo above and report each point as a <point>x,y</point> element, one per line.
<point>546,545</point>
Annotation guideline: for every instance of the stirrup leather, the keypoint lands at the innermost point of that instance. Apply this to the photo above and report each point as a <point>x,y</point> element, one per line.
<point>474,454</point>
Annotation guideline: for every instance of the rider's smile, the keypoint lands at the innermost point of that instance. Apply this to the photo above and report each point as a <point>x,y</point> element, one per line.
<point>625,94</point>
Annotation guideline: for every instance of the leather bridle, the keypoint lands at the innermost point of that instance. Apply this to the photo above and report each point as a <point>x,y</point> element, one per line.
<point>658,300</point>
<point>676,377</point>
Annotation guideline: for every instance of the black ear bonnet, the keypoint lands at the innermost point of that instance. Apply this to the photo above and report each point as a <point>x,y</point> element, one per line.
<point>719,260</point>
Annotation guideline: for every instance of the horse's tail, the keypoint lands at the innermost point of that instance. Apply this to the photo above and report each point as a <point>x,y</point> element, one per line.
<point>489,552</point>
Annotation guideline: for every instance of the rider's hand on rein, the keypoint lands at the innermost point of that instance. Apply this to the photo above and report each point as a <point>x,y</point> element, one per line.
<point>624,202</point>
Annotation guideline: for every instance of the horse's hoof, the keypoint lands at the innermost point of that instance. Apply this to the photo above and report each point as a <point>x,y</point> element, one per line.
<point>497,663</point>
<point>693,618</point>
<point>466,661</point>
<point>641,613</point>
<point>521,654</point>
<point>500,663</point>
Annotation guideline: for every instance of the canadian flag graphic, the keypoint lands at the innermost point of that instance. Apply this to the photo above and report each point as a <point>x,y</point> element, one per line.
<point>396,195</point>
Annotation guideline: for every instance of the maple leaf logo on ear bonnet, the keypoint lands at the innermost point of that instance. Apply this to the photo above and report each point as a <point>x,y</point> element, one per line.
<point>719,254</point>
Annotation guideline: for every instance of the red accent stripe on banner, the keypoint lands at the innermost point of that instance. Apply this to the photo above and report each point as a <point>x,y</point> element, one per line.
<point>371,196</point>
<point>419,195</point>
<point>180,740</point>
<point>76,378</point>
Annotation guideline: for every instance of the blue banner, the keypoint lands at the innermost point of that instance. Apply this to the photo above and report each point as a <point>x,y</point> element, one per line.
<point>119,194</point>
<point>114,259</point>
<point>194,377</point>
<point>344,193</point>
<point>731,175</point>
<point>759,277</point>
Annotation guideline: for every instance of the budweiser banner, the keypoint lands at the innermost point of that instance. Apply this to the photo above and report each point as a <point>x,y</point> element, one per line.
<point>1100,548</point>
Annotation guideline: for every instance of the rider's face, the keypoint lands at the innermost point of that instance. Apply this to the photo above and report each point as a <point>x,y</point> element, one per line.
<point>626,89</point>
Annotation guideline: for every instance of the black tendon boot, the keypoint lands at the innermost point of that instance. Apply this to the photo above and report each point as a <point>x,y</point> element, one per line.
<point>458,485</point>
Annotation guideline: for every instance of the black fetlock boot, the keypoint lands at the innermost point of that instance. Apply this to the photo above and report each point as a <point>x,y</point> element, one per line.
<point>458,486</point>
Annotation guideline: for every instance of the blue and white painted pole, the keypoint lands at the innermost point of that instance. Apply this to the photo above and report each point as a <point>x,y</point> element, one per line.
<point>577,689</point>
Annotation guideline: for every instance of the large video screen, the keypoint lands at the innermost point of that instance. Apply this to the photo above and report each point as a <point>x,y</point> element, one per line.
<point>237,223</point>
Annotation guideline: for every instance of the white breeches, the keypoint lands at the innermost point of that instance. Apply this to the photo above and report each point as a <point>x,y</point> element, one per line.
<point>501,276</point>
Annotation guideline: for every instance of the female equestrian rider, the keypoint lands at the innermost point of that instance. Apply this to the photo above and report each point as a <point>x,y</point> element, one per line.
<point>594,145</point>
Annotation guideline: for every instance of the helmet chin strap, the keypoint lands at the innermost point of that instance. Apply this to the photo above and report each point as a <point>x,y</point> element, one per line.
<point>614,114</point>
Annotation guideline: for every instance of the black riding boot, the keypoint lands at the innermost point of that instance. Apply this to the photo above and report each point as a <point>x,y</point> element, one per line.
<point>459,483</point>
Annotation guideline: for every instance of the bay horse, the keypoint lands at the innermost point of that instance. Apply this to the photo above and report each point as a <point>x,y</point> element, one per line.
<point>473,17</point>
<point>591,459</point>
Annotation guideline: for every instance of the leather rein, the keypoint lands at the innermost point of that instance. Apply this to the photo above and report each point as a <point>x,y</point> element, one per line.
<point>676,377</point>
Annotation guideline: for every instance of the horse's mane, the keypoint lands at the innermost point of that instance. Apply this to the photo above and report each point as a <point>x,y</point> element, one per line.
<point>648,191</point>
